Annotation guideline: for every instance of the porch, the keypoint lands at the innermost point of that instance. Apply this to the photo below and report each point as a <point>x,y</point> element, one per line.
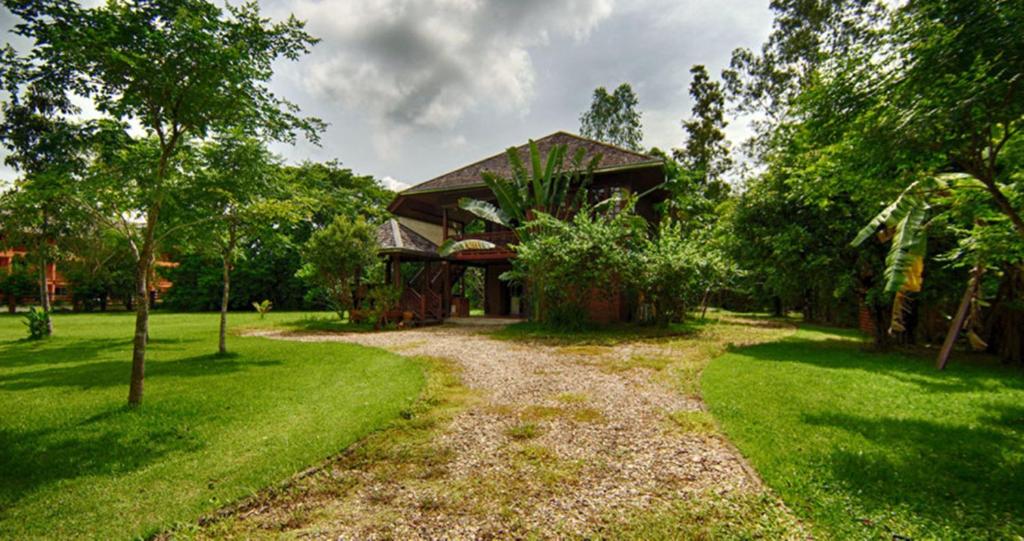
<point>434,289</point>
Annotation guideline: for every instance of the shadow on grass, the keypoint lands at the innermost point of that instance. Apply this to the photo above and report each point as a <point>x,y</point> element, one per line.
<point>966,374</point>
<point>943,450</point>
<point>96,374</point>
<point>26,352</point>
<point>117,441</point>
<point>951,475</point>
<point>57,350</point>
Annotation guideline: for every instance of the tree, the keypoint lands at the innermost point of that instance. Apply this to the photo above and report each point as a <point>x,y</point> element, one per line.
<point>706,152</point>
<point>337,257</point>
<point>48,150</point>
<point>246,201</point>
<point>329,190</point>
<point>667,276</point>
<point>907,109</point>
<point>613,118</point>
<point>36,217</point>
<point>97,263</point>
<point>180,70</point>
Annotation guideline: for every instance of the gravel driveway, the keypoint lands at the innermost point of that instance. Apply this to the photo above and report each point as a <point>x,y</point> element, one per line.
<point>593,425</point>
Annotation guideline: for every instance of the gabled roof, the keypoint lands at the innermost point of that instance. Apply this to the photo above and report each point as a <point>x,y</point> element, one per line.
<point>395,238</point>
<point>612,158</point>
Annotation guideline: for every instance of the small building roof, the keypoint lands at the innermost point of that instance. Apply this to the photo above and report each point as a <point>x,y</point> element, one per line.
<point>612,158</point>
<point>395,238</point>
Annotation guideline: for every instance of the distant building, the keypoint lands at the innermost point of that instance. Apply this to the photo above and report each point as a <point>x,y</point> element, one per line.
<point>57,286</point>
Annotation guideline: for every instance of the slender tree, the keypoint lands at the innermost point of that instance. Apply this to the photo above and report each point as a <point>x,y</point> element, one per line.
<point>180,70</point>
<point>706,151</point>
<point>246,200</point>
<point>614,118</point>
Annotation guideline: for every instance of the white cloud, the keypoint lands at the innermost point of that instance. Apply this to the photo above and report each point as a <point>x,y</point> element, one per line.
<point>394,184</point>
<point>423,65</point>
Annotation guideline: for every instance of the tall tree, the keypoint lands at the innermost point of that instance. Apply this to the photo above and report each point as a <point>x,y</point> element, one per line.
<point>180,70</point>
<point>706,151</point>
<point>614,118</point>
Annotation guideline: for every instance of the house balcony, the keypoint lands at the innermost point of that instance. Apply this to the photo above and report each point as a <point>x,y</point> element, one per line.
<point>501,250</point>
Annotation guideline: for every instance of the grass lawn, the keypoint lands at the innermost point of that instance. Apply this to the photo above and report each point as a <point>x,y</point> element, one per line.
<point>74,462</point>
<point>869,445</point>
<point>597,335</point>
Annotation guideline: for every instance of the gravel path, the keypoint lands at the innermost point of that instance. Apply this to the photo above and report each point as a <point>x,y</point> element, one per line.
<point>604,433</point>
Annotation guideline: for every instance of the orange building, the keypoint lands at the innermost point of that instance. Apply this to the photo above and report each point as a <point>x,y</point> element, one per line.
<point>57,286</point>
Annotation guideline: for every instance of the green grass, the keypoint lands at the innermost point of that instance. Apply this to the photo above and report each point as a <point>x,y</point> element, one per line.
<point>598,335</point>
<point>867,445</point>
<point>74,462</point>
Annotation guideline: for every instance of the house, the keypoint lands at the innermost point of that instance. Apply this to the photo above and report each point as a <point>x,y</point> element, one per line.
<point>428,214</point>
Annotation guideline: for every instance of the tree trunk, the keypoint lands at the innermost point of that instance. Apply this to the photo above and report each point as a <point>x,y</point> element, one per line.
<point>44,292</point>
<point>777,306</point>
<point>958,319</point>
<point>141,301</point>
<point>704,303</point>
<point>222,346</point>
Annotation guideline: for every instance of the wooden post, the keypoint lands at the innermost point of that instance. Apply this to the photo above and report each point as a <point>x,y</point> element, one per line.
<point>444,224</point>
<point>958,319</point>
<point>446,293</point>
<point>396,271</point>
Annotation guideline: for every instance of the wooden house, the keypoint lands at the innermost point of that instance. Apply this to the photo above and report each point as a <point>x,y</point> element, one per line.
<point>428,213</point>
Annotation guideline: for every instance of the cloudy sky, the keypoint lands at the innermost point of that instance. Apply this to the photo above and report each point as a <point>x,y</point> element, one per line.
<point>414,88</point>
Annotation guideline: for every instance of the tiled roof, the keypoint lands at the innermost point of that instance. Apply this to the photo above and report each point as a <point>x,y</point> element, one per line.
<point>612,157</point>
<point>393,237</point>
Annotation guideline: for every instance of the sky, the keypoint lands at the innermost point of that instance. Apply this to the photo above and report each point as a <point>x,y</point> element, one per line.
<point>413,89</point>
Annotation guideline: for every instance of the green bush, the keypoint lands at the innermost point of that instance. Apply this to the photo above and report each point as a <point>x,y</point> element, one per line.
<point>379,299</point>
<point>335,258</point>
<point>565,263</point>
<point>38,323</point>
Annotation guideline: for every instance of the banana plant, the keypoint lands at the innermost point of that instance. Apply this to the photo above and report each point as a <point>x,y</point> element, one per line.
<point>549,185</point>
<point>905,222</point>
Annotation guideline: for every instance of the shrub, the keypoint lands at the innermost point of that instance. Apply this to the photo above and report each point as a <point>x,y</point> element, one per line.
<point>379,299</point>
<point>565,263</point>
<point>263,307</point>
<point>38,323</point>
<point>335,258</point>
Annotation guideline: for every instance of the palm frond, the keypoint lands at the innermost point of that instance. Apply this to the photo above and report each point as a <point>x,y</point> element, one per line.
<point>904,263</point>
<point>509,198</point>
<point>451,246</point>
<point>486,211</point>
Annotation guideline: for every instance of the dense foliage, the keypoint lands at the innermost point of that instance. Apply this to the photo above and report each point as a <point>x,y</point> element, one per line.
<point>566,264</point>
<point>337,258</point>
<point>909,111</point>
